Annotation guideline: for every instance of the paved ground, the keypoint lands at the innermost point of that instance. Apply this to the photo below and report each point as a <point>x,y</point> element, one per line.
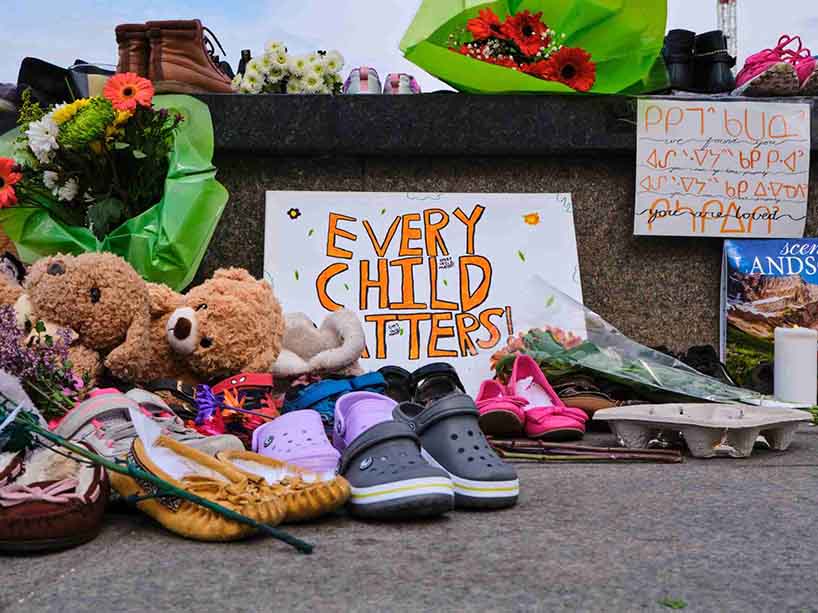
<point>717,535</point>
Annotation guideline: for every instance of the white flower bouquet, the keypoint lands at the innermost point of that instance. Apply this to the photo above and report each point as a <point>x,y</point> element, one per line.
<point>276,72</point>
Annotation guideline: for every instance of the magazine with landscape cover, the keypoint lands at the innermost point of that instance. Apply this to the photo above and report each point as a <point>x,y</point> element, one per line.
<point>766,284</point>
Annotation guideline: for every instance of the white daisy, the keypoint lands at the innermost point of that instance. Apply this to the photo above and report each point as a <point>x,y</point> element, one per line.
<point>295,86</point>
<point>334,61</point>
<point>280,58</point>
<point>314,58</point>
<point>42,137</point>
<point>266,63</point>
<point>236,83</point>
<point>276,74</point>
<point>273,47</point>
<point>253,66</point>
<point>318,69</point>
<point>252,79</point>
<point>312,82</point>
<point>298,65</point>
<point>68,191</point>
<point>50,180</point>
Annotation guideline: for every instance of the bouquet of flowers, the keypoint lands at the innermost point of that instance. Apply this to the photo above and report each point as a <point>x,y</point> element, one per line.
<point>524,42</point>
<point>276,72</point>
<point>540,45</point>
<point>41,363</point>
<point>124,172</point>
<point>97,161</point>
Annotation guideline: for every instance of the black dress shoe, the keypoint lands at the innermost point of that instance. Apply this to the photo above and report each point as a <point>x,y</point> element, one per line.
<point>678,56</point>
<point>713,64</point>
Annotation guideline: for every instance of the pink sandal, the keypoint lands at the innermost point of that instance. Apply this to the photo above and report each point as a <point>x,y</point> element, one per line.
<point>546,416</point>
<point>501,414</point>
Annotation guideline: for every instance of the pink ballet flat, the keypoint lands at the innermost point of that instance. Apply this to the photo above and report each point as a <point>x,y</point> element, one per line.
<point>546,416</point>
<point>501,414</point>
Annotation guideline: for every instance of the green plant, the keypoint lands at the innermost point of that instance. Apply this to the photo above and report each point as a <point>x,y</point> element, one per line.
<point>673,603</point>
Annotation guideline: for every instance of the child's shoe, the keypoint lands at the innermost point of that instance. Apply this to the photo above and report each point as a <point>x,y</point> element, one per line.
<point>297,438</point>
<point>779,71</point>
<point>501,414</point>
<point>546,416</point>
<point>363,80</point>
<point>400,83</point>
<point>382,461</point>
<point>712,64</point>
<point>51,502</point>
<point>452,441</point>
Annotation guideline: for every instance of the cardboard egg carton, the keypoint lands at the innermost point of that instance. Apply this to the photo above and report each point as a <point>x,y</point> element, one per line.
<point>708,429</point>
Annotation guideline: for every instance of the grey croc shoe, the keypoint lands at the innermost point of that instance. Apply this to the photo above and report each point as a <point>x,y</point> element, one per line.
<point>453,441</point>
<point>390,480</point>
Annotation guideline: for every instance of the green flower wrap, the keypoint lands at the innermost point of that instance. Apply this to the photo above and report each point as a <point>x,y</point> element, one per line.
<point>166,243</point>
<point>624,38</point>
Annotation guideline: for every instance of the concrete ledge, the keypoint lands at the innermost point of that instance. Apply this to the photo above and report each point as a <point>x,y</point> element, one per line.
<point>442,123</point>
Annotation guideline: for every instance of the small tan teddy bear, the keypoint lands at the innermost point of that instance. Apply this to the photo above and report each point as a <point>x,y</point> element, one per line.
<point>96,295</point>
<point>229,324</point>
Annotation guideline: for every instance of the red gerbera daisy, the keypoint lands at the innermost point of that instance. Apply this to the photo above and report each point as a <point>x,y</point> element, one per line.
<point>543,69</point>
<point>485,25</point>
<point>126,90</point>
<point>527,31</point>
<point>573,67</point>
<point>8,177</point>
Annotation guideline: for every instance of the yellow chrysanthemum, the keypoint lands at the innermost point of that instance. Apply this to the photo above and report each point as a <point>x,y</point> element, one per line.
<point>122,117</point>
<point>67,111</point>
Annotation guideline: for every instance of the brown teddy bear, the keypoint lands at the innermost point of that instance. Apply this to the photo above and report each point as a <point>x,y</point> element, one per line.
<point>229,324</point>
<point>96,295</point>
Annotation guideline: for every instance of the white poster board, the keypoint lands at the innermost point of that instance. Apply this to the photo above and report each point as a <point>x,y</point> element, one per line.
<point>726,169</point>
<point>445,275</point>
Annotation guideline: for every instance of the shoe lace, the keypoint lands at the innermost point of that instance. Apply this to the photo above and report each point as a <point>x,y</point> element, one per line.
<point>119,435</point>
<point>782,54</point>
<point>209,47</point>
<point>236,493</point>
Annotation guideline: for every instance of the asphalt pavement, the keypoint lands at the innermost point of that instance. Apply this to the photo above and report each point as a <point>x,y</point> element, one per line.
<point>716,535</point>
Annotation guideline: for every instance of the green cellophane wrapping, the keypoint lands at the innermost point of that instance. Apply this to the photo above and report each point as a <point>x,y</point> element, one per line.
<point>167,242</point>
<point>624,38</point>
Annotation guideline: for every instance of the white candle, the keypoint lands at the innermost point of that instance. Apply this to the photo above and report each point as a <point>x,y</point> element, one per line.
<point>796,365</point>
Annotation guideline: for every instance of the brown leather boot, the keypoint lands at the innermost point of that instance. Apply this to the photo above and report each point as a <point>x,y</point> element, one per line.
<point>181,61</point>
<point>132,40</point>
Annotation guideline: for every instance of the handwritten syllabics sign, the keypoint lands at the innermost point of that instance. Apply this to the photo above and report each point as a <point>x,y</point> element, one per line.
<point>433,277</point>
<point>731,169</point>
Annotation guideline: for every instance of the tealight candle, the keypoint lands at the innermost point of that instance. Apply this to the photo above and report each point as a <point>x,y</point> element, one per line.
<point>796,365</point>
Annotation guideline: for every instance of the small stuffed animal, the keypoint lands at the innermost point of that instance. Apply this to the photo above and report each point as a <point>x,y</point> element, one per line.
<point>229,324</point>
<point>12,273</point>
<point>334,347</point>
<point>96,295</point>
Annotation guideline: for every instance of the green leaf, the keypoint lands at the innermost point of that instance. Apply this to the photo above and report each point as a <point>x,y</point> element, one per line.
<point>673,603</point>
<point>346,286</point>
<point>105,215</point>
<point>311,232</point>
<point>139,155</point>
<point>383,211</point>
<point>521,255</point>
<point>296,275</point>
<point>445,282</point>
<point>401,332</point>
<point>49,341</point>
<point>40,326</point>
<point>121,145</point>
<point>550,301</point>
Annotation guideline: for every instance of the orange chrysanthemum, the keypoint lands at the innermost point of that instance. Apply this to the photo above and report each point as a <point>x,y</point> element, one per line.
<point>573,67</point>
<point>527,31</point>
<point>485,25</point>
<point>127,90</point>
<point>8,177</point>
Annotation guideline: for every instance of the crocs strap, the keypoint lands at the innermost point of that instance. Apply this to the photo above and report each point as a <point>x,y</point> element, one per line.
<point>317,392</point>
<point>377,434</point>
<point>370,379</point>
<point>450,406</point>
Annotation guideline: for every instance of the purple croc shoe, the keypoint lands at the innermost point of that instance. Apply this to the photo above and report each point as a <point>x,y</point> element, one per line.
<point>297,438</point>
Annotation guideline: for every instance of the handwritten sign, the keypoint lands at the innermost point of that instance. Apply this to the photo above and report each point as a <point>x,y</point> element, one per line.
<point>433,277</point>
<point>731,169</point>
